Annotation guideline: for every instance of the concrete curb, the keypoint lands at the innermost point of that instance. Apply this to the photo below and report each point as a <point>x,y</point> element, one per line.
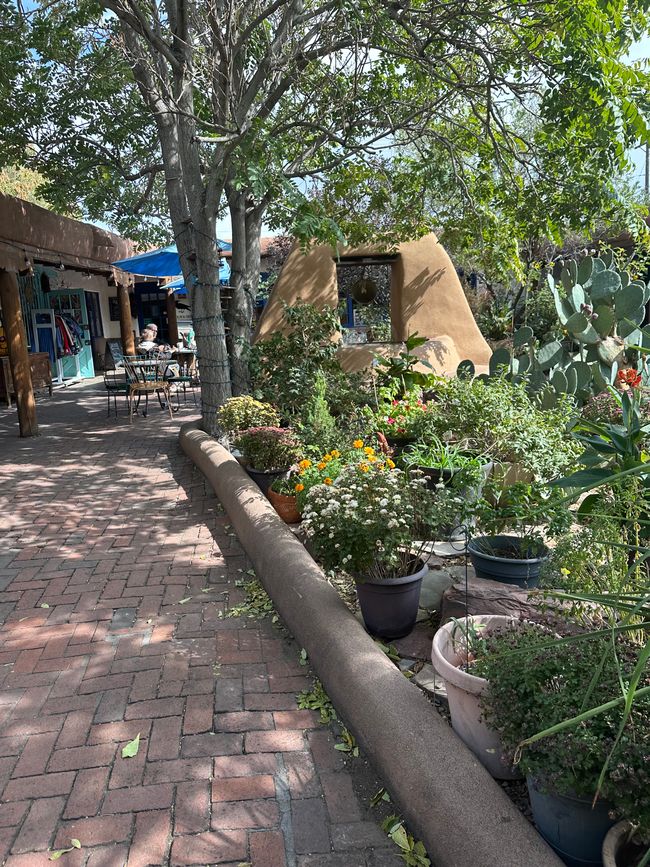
<point>448,799</point>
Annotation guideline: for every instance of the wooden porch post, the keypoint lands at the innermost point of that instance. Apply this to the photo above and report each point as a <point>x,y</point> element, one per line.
<point>126,329</point>
<point>12,316</point>
<point>172,322</point>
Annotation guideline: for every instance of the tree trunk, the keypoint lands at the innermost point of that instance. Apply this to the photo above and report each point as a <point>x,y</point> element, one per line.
<point>244,279</point>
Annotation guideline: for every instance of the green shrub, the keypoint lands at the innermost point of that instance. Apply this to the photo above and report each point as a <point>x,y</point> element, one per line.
<point>240,413</point>
<point>533,688</point>
<point>268,448</point>
<point>499,419</point>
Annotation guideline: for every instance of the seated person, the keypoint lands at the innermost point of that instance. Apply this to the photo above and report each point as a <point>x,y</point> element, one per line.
<point>147,342</point>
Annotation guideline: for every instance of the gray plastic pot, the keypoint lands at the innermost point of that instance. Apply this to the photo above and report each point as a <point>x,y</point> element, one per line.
<point>519,571</point>
<point>390,607</point>
<point>618,850</point>
<point>464,693</point>
<point>570,825</point>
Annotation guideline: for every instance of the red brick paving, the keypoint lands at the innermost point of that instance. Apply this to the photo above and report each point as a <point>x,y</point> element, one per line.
<point>116,565</point>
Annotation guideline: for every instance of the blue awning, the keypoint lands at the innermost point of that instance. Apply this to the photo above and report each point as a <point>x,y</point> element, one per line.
<point>163,262</point>
<point>179,288</point>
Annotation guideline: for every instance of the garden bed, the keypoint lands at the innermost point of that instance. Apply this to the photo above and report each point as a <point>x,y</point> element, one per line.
<point>461,814</point>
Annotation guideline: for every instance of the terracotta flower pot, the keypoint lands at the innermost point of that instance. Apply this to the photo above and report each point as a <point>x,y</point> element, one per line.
<point>464,693</point>
<point>285,506</point>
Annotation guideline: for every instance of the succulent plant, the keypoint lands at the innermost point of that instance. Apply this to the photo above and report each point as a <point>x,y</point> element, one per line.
<point>601,310</point>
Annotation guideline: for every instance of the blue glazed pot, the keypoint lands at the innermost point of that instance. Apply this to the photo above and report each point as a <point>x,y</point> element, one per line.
<point>570,825</point>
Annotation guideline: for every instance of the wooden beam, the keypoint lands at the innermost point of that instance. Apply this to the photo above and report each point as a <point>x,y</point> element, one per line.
<point>172,321</point>
<point>12,317</point>
<point>126,329</point>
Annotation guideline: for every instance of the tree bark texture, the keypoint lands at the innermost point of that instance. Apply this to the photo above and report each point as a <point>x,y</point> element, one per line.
<point>246,223</point>
<point>18,354</point>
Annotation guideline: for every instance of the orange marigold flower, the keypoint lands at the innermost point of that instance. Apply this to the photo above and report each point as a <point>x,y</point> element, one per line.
<point>364,467</point>
<point>304,465</point>
<point>358,444</point>
<point>328,481</point>
<point>369,450</point>
<point>335,453</point>
<point>390,464</point>
<point>299,487</point>
<point>372,459</point>
<point>321,465</point>
<point>327,458</point>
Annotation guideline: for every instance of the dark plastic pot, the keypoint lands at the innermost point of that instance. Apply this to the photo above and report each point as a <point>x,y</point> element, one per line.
<point>398,444</point>
<point>390,608</point>
<point>521,571</point>
<point>570,825</point>
<point>434,475</point>
<point>264,478</point>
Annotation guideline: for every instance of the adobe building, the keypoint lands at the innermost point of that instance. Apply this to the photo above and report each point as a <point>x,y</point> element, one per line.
<point>424,295</point>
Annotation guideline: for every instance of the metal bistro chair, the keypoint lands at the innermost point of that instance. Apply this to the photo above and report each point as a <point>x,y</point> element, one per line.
<point>147,376</point>
<point>115,383</point>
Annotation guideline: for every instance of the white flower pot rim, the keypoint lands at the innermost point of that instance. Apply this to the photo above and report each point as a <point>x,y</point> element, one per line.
<point>452,673</point>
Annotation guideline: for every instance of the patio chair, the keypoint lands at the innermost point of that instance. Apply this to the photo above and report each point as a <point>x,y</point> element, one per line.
<point>115,383</point>
<point>147,376</point>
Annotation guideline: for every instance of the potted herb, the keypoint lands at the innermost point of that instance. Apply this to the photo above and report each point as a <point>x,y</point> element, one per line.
<point>456,648</point>
<point>268,453</point>
<point>527,511</point>
<point>367,524</point>
<point>446,463</point>
<point>282,494</point>
<point>240,413</point>
<point>559,705</point>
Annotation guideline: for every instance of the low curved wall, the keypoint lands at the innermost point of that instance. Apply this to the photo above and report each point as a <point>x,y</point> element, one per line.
<point>448,799</point>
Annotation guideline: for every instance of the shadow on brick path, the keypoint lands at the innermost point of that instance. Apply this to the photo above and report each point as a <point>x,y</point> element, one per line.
<point>116,565</point>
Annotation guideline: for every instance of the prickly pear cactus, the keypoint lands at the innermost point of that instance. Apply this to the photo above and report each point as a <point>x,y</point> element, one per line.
<point>601,310</point>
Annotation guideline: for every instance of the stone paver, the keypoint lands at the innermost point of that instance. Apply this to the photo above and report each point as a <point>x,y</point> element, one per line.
<point>116,567</point>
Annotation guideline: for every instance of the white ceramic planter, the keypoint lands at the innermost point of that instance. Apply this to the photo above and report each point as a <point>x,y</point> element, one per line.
<point>615,844</point>
<point>464,692</point>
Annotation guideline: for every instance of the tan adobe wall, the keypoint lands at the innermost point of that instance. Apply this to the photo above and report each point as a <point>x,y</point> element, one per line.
<point>426,297</point>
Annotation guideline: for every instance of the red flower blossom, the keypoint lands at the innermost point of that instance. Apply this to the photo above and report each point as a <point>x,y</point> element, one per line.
<point>629,377</point>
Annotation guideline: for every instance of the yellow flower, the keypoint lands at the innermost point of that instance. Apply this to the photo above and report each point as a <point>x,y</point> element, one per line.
<point>321,465</point>
<point>304,465</point>
<point>358,444</point>
<point>327,458</point>
<point>328,481</point>
<point>565,571</point>
<point>390,463</point>
<point>369,450</point>
<point>372,459</point>
<point>364,468</point>
<point>335,453</point>
<point>299,487</point>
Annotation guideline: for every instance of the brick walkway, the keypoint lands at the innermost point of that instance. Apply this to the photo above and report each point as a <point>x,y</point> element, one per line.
<point>116,565</point>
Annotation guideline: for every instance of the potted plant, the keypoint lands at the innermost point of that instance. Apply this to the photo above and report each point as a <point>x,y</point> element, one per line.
<point>268,453</point>
<point>446,463</point>
<point>366,524</point>
<point>282,494</point>
<point>527,510</point>
<point>400,421</point>
<point>240,413</point>
<point>623,847</point>
<point>559,705</point>
<point>456,647</point>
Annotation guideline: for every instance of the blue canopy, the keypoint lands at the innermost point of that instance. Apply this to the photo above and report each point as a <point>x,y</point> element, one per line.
<point>178,285</point>
<point>163,262</point>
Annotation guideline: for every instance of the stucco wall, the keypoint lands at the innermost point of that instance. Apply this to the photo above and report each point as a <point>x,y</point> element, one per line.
<point>426,297</point>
